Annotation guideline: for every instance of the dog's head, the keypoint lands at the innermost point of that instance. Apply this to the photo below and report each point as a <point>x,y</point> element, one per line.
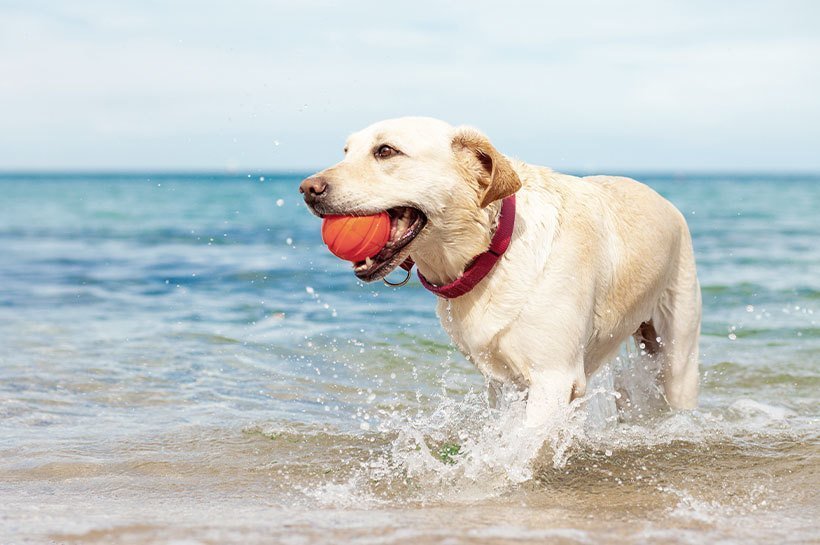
<point>432,179</point>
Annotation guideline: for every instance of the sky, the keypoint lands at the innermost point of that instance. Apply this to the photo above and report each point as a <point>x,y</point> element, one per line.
<point>251,85</point>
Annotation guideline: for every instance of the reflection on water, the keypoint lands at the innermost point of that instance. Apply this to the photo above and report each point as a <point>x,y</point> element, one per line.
<point>183,362</point>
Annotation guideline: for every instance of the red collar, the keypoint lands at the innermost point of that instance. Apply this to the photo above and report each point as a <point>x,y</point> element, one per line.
<point>483,263</point>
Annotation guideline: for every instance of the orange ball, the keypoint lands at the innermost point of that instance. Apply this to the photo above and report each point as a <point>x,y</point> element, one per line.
<point>355,238</point>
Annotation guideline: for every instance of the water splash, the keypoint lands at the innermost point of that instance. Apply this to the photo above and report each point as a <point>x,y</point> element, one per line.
<point>465,450</point>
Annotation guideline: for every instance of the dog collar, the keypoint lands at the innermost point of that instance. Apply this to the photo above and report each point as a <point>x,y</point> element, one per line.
<point>482,264</point>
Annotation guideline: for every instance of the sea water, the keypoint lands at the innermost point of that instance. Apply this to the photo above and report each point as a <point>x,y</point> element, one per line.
<point>182,361</point>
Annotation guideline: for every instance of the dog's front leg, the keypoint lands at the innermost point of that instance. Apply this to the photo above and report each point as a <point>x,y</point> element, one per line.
<point>549,394</point>
<point>556,376</point>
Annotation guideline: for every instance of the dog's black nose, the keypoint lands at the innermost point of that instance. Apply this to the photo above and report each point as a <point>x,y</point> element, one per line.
<point>313,188</point>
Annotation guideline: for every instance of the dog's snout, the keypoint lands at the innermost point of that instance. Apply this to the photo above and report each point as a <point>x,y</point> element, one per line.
<point>313,188</point>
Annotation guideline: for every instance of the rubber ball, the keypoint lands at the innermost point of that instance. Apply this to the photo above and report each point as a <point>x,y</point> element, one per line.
<point>355,238</point>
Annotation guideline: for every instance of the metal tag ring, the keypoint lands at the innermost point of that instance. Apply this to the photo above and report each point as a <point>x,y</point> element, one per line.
<point>398,284</point>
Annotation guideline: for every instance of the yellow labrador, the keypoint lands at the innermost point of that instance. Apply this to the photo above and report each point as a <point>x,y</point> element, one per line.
<point>591,261</point>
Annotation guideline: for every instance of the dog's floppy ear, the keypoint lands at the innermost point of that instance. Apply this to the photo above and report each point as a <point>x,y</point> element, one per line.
<point>494,173</point>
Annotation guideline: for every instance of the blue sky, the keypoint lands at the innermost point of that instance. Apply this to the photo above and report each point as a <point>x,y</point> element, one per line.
<point>251,85</point>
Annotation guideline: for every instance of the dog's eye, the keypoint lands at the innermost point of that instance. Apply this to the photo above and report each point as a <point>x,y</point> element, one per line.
<point>384,151</point>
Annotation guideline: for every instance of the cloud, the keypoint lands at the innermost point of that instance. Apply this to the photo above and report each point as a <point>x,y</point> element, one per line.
<point>593,84</point>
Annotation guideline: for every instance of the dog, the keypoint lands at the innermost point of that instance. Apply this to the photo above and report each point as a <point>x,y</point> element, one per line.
<point>588,262</point>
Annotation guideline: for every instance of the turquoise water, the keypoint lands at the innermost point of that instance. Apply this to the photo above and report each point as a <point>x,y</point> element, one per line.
<point>182,359</point>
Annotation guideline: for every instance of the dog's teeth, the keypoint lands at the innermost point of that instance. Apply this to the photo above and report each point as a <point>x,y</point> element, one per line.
<point>368,262</point>
<point>401,227</point>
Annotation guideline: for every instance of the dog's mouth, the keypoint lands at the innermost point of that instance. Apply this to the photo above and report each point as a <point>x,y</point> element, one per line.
<point>405,225</point>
